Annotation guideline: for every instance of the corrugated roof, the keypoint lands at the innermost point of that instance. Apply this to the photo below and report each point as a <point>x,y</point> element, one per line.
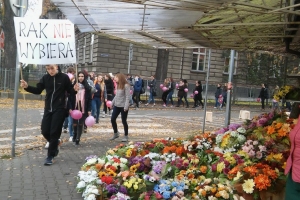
<point>236,24</point>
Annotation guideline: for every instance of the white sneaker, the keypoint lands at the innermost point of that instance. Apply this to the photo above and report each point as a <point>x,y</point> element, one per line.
<point>146,104</point>
<point>109,113</point>
<point>47,145</point>
<point>71,139</point>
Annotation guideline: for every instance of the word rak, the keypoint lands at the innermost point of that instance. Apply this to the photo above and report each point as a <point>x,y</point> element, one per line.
<point>45,41</point>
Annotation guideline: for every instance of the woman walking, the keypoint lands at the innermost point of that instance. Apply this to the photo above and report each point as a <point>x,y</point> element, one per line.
<point>198,95</point>
<point>152,85</point>
<point>99,97</point>
<point>181,92</point>
<point>81,101</point>
<point>109,84</point>
<point>121,105</point>
<point>185,93</point>
<point>171,87</point>
<point>165,93</point>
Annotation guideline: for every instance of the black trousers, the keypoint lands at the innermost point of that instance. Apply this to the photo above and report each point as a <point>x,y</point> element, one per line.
<point>109,98</point>
<point>136,98</point>
<point>78,126</point>
<point>114,116</point>
<point>52,123</point>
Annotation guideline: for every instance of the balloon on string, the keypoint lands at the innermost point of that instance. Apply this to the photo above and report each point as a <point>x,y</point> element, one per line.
<point>76,114</point>
<point>164,88</point>
<point>131,92</point>
<point>258,99</point>
<point>109,104</point>
<point>71,76</point>
<point>148,87</point>
<point>196,92</point>
<point>161,85</point>
<point>176,85</point>
<point>192,95</point>
<point>186,90</point>
<point>90,121</point>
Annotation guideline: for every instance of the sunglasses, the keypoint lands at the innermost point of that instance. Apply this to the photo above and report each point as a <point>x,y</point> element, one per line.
<point>80,76</point>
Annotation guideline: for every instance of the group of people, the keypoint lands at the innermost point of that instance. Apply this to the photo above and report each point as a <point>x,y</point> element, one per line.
<point>67,92</point>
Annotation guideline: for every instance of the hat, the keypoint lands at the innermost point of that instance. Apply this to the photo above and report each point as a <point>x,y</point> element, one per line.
<point>111,75</point>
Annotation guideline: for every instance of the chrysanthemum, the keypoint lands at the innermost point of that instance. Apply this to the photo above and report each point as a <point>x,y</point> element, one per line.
<point>262,182</point>
<point>248,186</point>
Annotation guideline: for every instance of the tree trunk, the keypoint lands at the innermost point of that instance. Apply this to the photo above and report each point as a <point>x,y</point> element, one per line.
<point>10,46</point>
<point>162,64</point>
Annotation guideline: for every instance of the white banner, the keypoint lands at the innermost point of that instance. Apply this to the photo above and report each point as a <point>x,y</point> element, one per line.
<point>45,41</point>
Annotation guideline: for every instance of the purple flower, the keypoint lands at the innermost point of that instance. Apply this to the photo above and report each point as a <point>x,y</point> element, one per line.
<point>111,188</point>
<point>226,170</point>
<point>90,157</point>
<point>233,127</point>
<point>262,121</point>
<point>214,167</point>
<point>123,189</point>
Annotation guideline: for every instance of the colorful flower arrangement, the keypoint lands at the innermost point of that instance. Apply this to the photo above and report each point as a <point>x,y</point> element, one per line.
<point>241,159</point>
<point>288,92</point>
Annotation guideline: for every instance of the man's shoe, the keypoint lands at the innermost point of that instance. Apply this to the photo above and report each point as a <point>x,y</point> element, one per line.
<point>47,145</point>
<point>49,161</point>
<point>65,130</point>
<point>109,113</point>
<point>125,139</point>
<point>85,130</point>
<point>177,106</point>
<point>146,104</point>
<point>71,139</point>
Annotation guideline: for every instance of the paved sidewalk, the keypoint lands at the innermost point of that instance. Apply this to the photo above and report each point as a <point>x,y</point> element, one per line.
<point>26,178</point>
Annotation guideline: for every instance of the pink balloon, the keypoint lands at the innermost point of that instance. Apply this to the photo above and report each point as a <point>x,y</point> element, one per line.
<point>90,121</point>
<point>196,92</point>
<point>109,104</point>
<point>131,92</point>
<point>148,87</point>
<point>186,90</point>
<point>161,85</point>
<point>164,88</point>
<point>71,76</point>
<point>192,95</point>
<point>177,85</point>
<point>76,114</point>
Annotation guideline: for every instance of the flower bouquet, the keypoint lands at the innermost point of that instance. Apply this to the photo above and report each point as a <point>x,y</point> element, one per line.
<point>288,92</point>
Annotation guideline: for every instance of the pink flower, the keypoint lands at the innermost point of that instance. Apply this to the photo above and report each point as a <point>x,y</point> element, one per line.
<point>251,153</point>
<point>262,148</point>
<point>255,143</point>
<point>258,155</point>
<point>245,148</point>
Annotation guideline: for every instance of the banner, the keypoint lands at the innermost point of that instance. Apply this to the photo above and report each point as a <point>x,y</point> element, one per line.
<point>35,8</point>
<point>45,41</point>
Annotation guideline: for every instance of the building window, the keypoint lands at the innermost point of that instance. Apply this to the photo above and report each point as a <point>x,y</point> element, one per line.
<point>199,59</point>
<point>227,63</point>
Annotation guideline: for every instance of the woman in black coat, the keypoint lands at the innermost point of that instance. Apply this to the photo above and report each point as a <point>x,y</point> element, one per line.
<point>263,95</point>
<point>81,101</point>
<point>198,97</point>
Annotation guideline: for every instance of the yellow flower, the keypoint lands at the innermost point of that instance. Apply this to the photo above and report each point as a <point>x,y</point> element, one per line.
<point>220,167</point>
<point>128,152</point>
<point>238,176</point>
<point>139,180</point>
<point>110,152</point>
<point>136,186</point>
<point>286,127</point>
<point>129,185</point>
<point>248,186</point>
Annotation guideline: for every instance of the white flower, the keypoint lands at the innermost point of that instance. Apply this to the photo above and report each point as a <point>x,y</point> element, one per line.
<point>101,161</point>
<point>224,194</point>
<point>90,197</point>
<point>123,160</point>
<point>199,146</point>
<point>212,198</point>
<point>241,138</point>
<point>122,165</point>
<point>241,130</point>
<point>238,176</point>
<point>207,188</point>
<point>91,161</point>
<point>151,179</point>
<point>99,182</point>
<point>115,165</point>
<point>81,184</point>
<point>219,138</point>
<point>233,133</point>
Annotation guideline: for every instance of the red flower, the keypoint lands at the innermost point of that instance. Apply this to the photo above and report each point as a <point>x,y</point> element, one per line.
<point>107,179</point>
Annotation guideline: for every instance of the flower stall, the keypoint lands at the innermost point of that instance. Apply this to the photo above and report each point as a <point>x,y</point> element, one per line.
<point>241,161</point>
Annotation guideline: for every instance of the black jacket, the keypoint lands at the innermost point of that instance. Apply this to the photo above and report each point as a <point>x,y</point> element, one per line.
<point>56,88</point>
<point>218,92</point>
<point>264,93</point>
<point>87,99</point>
<point>109,86</point>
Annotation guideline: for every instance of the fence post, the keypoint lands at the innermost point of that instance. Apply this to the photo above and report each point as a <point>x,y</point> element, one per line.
<point>5,75</point>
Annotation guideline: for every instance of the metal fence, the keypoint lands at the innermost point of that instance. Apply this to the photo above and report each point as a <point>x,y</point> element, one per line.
<point>7,78</point>
<point>240,93</point>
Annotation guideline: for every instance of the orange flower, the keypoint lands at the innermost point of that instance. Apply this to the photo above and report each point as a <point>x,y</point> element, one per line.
<point>180,177</point>
<point>252,170</point>
<point>173,148</point>
<point>213,190</point>
<point>191,176</point>
<point>262,182</point>
<point>166,150</point>
<point>278,125</point>
<point>203,169</point>
<point>180,150</point>
<point>281,133</point>
<point>270,130</point>
<point>231,174</point>
<point>270,173</point>
<point>98,166</point>
<point>203,193</point>
<point>217,195</point>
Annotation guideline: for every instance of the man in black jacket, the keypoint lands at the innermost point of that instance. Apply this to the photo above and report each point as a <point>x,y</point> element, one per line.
<point>56,84</point>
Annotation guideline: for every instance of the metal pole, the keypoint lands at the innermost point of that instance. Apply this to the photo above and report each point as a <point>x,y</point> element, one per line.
<point>5,78</point>
<point>17,82</point>
<point>130,55</point>
<point>229,88</point>
<point>206,89</point>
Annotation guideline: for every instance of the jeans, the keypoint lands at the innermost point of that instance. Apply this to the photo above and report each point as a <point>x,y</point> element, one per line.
<point>130,100</point>
<point>52,123</point>
<point>65,126</point>
<point>217,104</point>
<point>114,116</point>
<point>151,98</point>
<point>96,104</point>
<point>70,125</point>
<point>170,97</point>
